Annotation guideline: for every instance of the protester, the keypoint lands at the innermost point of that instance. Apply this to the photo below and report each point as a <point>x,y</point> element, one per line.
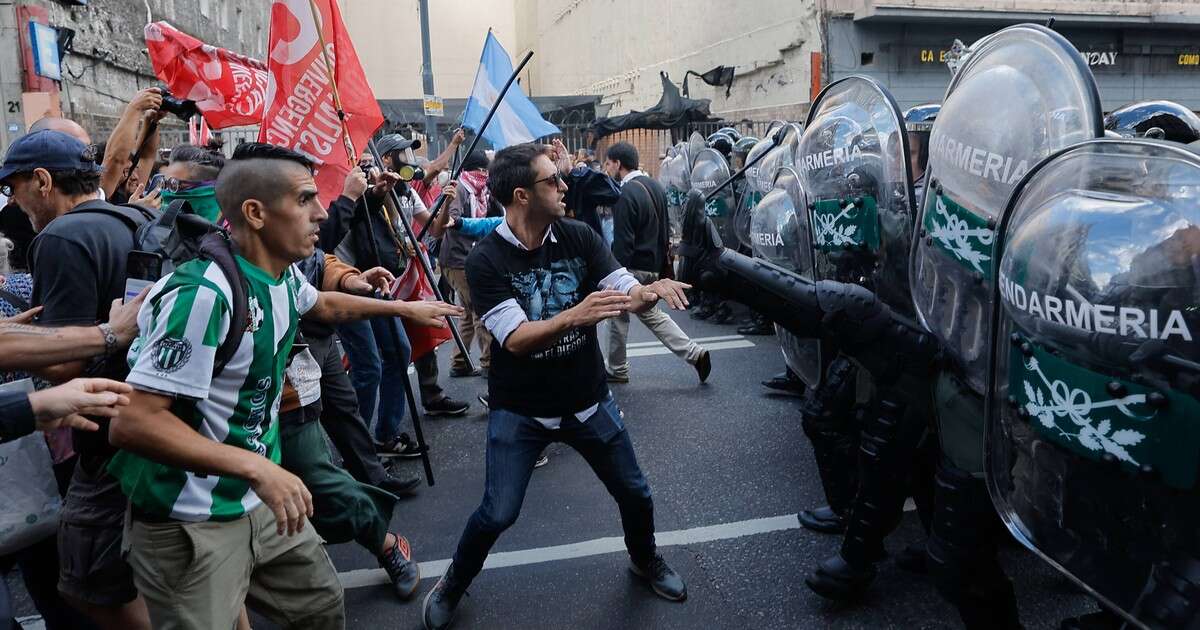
<point>541,284</point>
<point>472,200</point>
<point>130,150</point>
<point>189,175</point>
<point>209,516</point>
<point>24,347</point>
<point>340,413</point>
<point>641,242</point>
<point>398,158</point>
<point>343,509</point>
<point>78,266</point>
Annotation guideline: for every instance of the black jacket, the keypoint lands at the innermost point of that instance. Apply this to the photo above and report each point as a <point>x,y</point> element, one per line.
<point>348,218</point>
<point>641,231</point>
<point>586,189</point>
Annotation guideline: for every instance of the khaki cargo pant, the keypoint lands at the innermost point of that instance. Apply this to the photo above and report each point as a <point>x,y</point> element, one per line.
<point>196,575</point>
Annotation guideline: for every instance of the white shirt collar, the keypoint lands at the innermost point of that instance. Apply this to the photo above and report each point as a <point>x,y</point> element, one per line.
<point>631,174</point>
<point>506,233</point>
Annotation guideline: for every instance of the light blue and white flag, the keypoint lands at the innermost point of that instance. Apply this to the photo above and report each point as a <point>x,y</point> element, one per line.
<point>517,119</point>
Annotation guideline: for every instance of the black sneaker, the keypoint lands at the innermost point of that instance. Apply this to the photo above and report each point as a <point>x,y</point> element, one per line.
<point>401,446</point>
<point>401,570</point>
<point>463,372</point>
<point>446,406</point>
<point>665,582</point>
<point>400,486</point>
<point>757,326</point>
<point>441,603</point>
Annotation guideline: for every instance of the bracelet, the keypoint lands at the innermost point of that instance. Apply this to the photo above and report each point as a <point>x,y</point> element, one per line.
<point>110,339</point>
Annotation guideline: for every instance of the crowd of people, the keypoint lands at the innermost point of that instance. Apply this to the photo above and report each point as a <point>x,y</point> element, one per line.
<point>185,393</point>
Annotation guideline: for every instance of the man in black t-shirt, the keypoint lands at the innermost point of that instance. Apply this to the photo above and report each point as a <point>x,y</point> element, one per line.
<point>78,266</point>
<point>541,283</point>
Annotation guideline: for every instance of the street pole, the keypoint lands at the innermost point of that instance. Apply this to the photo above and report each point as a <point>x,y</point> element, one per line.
<point>432,145</point>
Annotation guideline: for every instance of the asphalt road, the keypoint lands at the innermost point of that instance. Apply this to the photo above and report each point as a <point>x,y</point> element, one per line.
<point>729,467</point>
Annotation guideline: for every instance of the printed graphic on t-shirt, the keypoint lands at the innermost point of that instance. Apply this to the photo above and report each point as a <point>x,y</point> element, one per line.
<point>544,293</point>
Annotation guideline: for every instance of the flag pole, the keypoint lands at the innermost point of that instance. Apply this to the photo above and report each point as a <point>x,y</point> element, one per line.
<point>441,200</point>
<point>351,155</point>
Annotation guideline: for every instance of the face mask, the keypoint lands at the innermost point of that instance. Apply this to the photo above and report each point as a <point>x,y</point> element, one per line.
<point>203,200</point>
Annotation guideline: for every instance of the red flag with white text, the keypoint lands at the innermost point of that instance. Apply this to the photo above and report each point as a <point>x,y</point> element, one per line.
<point>229,89</point>
<point>301,113</point>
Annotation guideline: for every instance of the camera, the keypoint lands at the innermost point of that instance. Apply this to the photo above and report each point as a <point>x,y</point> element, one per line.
<point>182,108</point>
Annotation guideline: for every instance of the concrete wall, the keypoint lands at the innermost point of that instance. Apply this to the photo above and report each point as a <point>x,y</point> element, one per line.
<point>616,48</point>
<point>387,35</point>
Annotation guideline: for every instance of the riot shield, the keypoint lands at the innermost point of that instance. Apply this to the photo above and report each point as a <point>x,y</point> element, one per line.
<point>710,170</point>
<point>779,233</point>
<point>780,156</point>
<point>675,175</point>
<point>1094,410</point>
<point>853,158</point>
<point>1024,93</point>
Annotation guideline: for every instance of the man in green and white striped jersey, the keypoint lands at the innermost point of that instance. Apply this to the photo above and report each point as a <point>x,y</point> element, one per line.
<point>210,504</point>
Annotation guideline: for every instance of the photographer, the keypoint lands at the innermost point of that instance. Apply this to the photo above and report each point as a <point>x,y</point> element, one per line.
<point>135,138</point>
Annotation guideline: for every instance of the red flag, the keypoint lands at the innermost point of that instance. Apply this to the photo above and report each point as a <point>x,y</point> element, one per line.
<point>193,136</point>
<point>414,285</point>
<point>229,89</point>
<point>301,113</point>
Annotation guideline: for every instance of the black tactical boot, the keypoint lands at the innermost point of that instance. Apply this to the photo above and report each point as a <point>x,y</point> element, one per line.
<point>822,519</point>
<point>787,383</point>
<point>441,603</point>
<point>839,580</point>
<point>757,325</point>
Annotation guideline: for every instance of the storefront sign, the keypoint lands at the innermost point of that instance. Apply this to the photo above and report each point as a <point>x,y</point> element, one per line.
<point>1189,59</point>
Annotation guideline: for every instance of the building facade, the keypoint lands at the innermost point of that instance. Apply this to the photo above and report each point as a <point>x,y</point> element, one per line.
<point>101,50</point>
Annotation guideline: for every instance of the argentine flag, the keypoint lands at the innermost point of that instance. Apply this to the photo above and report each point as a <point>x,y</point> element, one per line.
<point>517,119</point>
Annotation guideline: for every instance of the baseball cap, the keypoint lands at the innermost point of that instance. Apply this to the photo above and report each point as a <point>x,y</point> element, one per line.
<point>396,142</point>
<point>48,149</point>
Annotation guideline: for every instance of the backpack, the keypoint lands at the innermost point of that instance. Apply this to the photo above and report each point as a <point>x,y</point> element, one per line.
<point>176,235</point>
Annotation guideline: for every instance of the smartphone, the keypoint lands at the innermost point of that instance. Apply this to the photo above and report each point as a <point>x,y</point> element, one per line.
<point>142,269</point>
<point>155,183</point>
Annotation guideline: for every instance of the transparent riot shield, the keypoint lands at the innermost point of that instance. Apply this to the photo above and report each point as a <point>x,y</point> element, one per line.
<point>779,233</point>
<point>1024,93</point>
<point>675,175</point>
<point>1093,440</point>
<point>853,158</point>
<point>709,171</point>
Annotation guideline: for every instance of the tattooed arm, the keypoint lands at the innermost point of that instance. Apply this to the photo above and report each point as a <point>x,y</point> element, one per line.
<point>27,347</point>
<point>334,308</point>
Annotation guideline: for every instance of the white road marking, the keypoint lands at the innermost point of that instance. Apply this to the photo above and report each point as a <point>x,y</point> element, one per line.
<point>699,340</point>
<point>660,349</point>
<point>724,531</point>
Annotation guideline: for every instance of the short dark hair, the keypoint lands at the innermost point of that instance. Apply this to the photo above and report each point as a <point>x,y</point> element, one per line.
<point>255,172</point>
<point>70,182</point>
<point>203,163</point>
<point>624,153</point>
<point>512,168</point>
<point>475,161</point>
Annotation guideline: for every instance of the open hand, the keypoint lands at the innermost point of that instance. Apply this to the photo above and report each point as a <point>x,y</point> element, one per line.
<point>66,404</point>
<point>670,290</point>
<point>599,306</point>
<point>429,313</point>
<point>152,200</point>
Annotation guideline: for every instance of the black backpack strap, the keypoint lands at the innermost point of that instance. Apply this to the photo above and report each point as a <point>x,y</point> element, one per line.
<point>218,248</point>
<point>133,216</point>
<point>18,302</point>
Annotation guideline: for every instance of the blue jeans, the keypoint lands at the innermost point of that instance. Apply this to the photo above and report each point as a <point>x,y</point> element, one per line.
<point>514,443</point>
<point>373,352</point>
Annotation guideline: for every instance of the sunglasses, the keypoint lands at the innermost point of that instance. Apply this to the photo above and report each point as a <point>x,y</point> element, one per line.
<point>555,179</point>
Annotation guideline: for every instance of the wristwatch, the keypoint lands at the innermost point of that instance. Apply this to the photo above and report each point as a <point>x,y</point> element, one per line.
<point>110,339</point>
